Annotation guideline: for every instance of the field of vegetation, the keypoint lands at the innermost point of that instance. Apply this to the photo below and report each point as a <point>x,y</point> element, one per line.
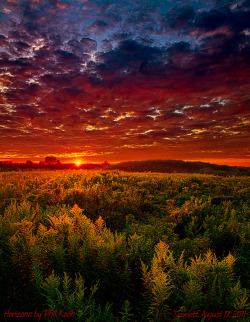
<point>115,246</point>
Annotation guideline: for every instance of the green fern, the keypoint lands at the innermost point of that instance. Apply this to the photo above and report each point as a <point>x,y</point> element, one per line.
<point>239,297</point>
<point>125,313</point>
<point>60,294</point>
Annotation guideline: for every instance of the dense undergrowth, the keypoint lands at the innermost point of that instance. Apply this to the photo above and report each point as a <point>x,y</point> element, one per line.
<point>114,246</point>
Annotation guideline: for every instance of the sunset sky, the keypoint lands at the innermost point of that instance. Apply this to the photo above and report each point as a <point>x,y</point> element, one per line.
<point>125,80</point>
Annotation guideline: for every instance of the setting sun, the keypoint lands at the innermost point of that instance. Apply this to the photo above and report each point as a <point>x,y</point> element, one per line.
<point>124,160</point>
<point>78,163</point>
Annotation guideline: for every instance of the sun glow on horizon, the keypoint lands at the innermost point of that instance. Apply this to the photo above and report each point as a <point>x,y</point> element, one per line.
<point>78,163</point>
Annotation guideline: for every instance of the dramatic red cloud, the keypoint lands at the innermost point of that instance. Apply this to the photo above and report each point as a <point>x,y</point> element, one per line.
<point>127,81</point>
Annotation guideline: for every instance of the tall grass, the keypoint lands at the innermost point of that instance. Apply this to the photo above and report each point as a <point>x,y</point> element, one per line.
<point>115,246</point>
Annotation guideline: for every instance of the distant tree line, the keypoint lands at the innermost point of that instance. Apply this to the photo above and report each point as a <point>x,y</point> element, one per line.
<point>164,166</point>
<point>50,163</point>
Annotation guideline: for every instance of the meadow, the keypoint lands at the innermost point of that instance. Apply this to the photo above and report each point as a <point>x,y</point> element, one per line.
<point>116,246</point>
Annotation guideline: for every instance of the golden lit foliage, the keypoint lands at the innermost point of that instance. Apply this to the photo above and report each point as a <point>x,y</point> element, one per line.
<point>120,246</point>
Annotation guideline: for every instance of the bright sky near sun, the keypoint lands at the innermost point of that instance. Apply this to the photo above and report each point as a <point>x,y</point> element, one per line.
<point>125,80</point>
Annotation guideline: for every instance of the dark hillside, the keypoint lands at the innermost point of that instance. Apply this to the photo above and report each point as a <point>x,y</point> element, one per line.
<point>179,166</point>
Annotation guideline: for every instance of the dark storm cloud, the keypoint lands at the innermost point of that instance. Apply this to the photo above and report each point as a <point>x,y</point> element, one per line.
<point>130,56</point>
<point>178,18</point>
<point>65,55</point>
<point>3,41</point>
<point>100,26</point>
<point>186,19</point>
<point>211,20</point>
<point>178,47</point>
